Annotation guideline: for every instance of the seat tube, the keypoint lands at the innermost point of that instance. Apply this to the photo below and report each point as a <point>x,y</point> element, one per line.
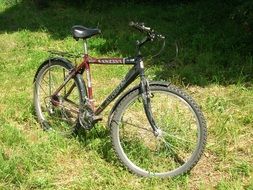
<point>85,47</point>
<point>90,94</point>
<point>88,75</point>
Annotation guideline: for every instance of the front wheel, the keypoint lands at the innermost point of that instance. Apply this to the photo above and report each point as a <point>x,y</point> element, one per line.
<point>181,126</point>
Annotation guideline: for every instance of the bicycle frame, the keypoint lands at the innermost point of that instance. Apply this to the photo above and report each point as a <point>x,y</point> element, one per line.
<point>137,69</point>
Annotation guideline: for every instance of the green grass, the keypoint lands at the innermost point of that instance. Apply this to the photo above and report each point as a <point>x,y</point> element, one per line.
<point>214,65</point>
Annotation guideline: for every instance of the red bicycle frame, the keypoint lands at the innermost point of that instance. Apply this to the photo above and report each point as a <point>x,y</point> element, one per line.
<point>136,70</point>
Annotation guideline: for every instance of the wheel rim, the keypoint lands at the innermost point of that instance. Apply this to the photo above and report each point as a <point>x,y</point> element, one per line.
<point>59,117</point>
<point>175,147</point>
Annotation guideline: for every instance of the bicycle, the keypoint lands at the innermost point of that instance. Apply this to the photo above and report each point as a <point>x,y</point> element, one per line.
<point>156,129</point>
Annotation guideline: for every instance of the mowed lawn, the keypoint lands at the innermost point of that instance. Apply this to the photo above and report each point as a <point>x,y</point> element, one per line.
<point>33,159</point>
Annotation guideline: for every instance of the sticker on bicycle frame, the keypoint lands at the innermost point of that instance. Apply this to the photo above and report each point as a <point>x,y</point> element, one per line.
<point>110,61</point>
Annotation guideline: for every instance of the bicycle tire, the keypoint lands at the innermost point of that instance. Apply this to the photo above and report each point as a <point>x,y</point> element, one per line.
<point>55,117</point>
<point>130,144</point>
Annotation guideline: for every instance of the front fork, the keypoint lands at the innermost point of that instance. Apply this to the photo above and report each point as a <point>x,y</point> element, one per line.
<point>146,96</point>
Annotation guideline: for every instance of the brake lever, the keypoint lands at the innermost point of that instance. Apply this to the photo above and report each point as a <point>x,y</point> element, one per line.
<point>160,36</point>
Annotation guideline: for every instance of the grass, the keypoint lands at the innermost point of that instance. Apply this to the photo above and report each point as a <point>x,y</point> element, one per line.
<point>210,66</point>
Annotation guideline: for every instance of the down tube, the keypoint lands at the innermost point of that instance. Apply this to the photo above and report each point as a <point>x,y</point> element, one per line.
<point>129,78</point>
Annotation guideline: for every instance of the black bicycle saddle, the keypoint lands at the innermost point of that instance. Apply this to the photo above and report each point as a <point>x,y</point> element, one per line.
<point>82,32</point>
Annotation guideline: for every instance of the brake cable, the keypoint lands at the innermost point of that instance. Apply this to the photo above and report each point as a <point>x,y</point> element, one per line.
<point>160,51</point>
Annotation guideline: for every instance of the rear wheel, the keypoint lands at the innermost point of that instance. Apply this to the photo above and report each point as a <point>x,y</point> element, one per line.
<point>61,112</point>
<point>181,139</point>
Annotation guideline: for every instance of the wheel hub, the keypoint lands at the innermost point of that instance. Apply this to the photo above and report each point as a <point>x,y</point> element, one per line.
<point>55,100</point>
<point>158,133</point>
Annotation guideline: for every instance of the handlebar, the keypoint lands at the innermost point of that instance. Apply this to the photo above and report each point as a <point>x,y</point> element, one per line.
<point>151,35</point>
<point>144,29</point>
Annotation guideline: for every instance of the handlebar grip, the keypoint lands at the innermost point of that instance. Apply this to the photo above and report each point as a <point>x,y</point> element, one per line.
<point>139,26</point>
<point>160,36</point>
<point>151,33</point>
<point>131,23</point>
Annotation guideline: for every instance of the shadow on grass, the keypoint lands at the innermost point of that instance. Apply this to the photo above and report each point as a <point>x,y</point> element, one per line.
<point>213,47</point>
<point>56,19</point>
<point>98,139</point>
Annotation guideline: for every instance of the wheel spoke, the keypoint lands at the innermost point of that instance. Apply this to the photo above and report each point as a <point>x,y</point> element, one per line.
<point>137,126</point>
<point>171,148</point>
<point>180,139</point>
<point>50,82</point>
<point>43,89</point>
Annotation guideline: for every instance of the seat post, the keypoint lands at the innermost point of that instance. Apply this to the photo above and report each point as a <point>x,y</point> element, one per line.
<point>85,47</point>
